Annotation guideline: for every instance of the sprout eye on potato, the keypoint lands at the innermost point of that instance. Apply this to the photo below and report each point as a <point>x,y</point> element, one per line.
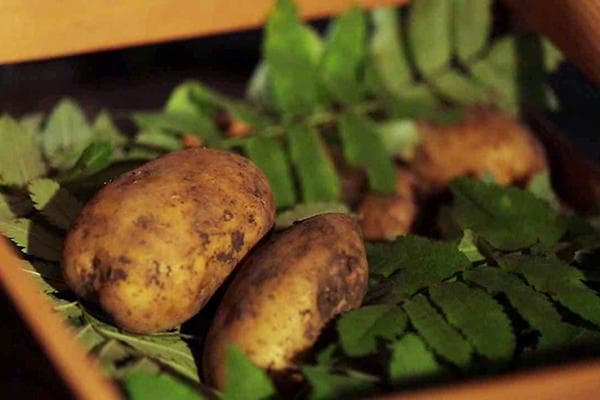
<point>154,244</point>
<point>285,292</point>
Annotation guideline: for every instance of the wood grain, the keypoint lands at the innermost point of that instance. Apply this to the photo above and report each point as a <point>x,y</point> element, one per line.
<point>574,382</point>
<point>573,25</point>
<point>37,29</point>
<point>82,375</point>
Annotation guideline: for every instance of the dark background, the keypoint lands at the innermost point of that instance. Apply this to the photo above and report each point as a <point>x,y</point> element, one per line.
<point>141,78</point>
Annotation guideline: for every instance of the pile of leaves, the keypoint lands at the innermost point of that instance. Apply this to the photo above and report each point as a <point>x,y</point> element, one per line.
<point>516,286</point>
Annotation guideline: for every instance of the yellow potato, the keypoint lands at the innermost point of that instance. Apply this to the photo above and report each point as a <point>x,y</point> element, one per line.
<point>386,217</point>
<point>285,292</point>
<point>154,244</point>
<point>486,141</point>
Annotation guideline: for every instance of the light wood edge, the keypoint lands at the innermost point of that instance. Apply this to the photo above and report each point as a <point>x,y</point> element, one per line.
<point>572,25</point>
<point>40,29</point>
<point>580,381</point>
<point>80,372</point>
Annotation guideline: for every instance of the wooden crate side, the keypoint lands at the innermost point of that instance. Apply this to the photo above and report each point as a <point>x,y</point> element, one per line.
<point>81,373</point>
<point>38,29</point>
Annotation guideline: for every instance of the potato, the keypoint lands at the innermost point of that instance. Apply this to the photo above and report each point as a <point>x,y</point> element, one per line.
<point>386,217</point>
<point>153,245</point>
<point>284,293</point>
<point>486,140</point>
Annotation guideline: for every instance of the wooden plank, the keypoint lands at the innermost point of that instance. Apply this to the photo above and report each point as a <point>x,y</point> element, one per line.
<point>573,25</point>
<point>80,372</point>
<point>38,29</point>
<point>574,382</point>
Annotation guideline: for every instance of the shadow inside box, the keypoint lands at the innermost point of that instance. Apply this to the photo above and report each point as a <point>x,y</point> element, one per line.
<point>26,372</point>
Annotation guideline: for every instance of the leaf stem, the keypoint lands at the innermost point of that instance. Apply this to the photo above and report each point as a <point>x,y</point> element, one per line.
<point>316,120</point>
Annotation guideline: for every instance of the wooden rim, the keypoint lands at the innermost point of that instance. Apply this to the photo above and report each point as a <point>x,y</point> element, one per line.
<point>81,373</point>
<point>39,29</point>
<point>580,381</point>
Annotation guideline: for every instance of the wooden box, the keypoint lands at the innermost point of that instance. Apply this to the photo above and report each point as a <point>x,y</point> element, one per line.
<point>38,29</point>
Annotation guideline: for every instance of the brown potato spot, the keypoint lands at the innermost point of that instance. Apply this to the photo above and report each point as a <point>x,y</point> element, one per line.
<point>237,240</point>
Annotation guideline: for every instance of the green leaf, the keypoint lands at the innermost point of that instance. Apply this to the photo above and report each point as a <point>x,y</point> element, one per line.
<point>33,238</point>
<point>461,89</point>
<point>303,211</point>
<point>416,253</point>
<point>552,55</point>
<point>88,336</point>
<point>56,204</point>
<point>20,154</point>
<point>429,34</point>
<point>435,330</point>
<point>159,140</point>
<point>363,147</point>
<point>471,27</point>
<point>69,311</point>
<point>420,263</point>
<point>416,101</point>
<point>498,70</point>
<point>344,56</point>
<point>327,356</point>
<point>386,51</point>
<point>167,348</point>
<point>242,111</point>
<point>66,134</point>
<point>464,308</point>
<point>144,386</point>
<point>141,365</point>
<point>176,123</point>
<point>508,218</point>
<point>359,330</point>
<point>400,137</point>
<point>318,179</point>
<point>194,99</point>
<point>111,354</point>
<point>140,153</point>
<point>259,89</point>
<point>541,186</point>
<point>326,385</point>
<point>550,275</point>
<point>533,306</point>
<point>105,130</point>
<point>269,155</point>
<point>289,54</point>
<point>411,361</point>
<point>94,158</point>
<point>244,380</point>
<point>14,205</point>
<point>468,246</point>
<point>314,43</point>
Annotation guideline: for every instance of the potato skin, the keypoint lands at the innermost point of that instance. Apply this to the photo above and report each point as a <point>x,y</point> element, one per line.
<point>154,244</point>
<point>285,292</point>
<point>486,140</point>
<point>384,217</point>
